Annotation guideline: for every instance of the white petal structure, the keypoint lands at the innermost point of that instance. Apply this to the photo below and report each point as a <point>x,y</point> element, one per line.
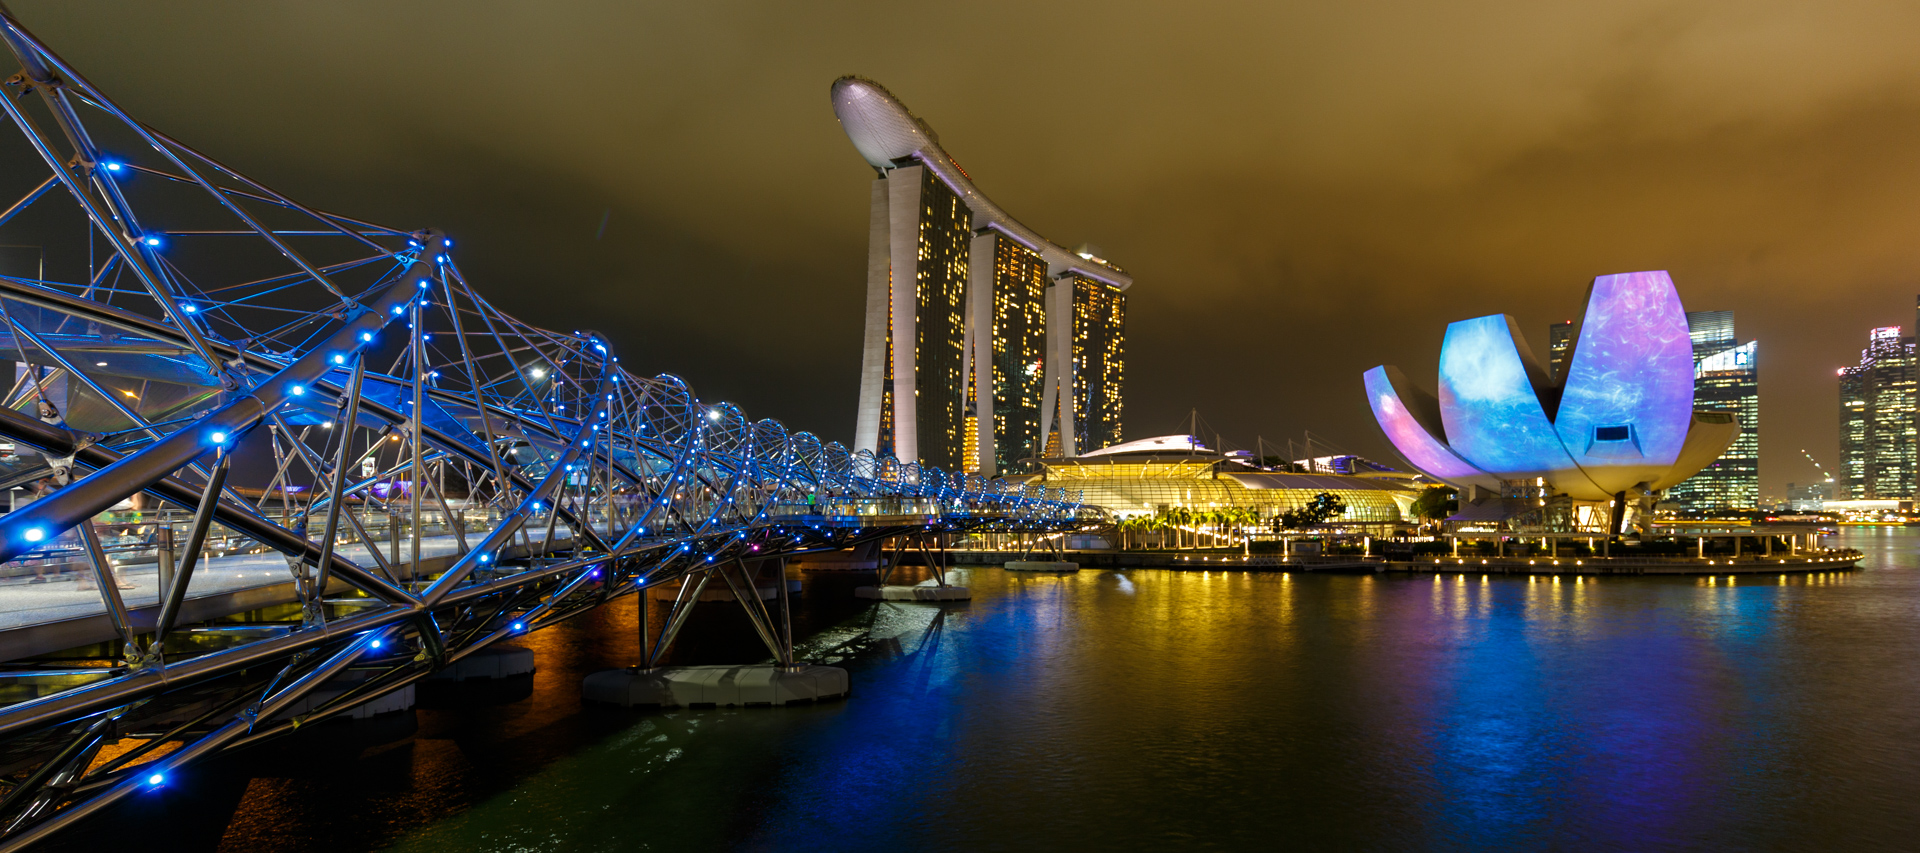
<point>1623,420</point>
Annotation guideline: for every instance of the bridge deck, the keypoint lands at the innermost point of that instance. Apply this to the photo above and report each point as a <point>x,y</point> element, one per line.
<point>65,610</point>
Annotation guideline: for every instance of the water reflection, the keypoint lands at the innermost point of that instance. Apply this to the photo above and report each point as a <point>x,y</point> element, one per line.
<point>1149,709</point>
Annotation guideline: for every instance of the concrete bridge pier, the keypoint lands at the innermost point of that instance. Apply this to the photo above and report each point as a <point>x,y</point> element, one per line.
<point>1059,563</point>
<point>786,681</point>
<point>863,558</point>
<point>933,589</point>
<point>679,686</point>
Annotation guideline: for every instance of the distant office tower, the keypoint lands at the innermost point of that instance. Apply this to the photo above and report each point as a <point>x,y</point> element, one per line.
<point>1726,377</point>
<point>1712,332</point>
<point>1560,337</point>
<point>1811,497</point>
<point>995,313</point>
<point>1877,430</point>
<point>1853,431</point>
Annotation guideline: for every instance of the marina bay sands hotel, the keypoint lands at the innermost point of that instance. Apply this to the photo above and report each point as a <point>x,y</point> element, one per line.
<point>986,344</point>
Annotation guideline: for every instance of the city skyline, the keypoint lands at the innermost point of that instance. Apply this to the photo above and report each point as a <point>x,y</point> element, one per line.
<point>408,453</point>
<point>1273,177</point>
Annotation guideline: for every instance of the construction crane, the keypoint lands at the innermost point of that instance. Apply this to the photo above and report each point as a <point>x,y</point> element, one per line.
<point>1816,464</point>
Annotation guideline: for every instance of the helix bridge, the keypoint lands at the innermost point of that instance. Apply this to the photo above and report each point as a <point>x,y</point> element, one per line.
<point>269,463</point>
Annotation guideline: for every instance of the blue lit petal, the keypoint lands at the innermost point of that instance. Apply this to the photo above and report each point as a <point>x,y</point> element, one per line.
<point>1629,395</point>
<point>1490,407</point>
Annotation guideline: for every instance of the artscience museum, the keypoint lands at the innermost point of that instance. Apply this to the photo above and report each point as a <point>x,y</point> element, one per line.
<point>1600,442</point>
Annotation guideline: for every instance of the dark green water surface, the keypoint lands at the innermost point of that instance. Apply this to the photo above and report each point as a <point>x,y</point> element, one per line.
<point>1150,710</point>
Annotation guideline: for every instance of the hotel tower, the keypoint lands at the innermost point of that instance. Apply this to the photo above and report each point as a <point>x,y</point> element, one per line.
<point>986,344</point>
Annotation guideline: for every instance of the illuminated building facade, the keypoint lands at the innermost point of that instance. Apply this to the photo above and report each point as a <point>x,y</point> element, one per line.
<point>915,345</point>
<point>1008,361</point>
<point>1726,379</point>
<point>1877,410</point>
<point>993,310</point>
<point>1092,338</point>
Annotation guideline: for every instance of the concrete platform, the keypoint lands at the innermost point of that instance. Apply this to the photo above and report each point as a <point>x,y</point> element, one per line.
<point>1042,566</point>
<point>926,591</point>
<point>764,684</point>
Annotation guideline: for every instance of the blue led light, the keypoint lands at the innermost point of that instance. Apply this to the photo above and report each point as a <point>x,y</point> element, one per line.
<point>34,534</point>
<point>218,438</point>
<point>157,779</point>
<point>399,310</point>
<point>376,644</point>
<point>151,241</point>
<point>484,558</point>
<point>188,307</point>
<point>296,390</point>
<point>448,242</point>
<point>366,337</point>
<point>339,359</point>
<point>424,283</point>
<point>112,166</point>
<point>519,626</point>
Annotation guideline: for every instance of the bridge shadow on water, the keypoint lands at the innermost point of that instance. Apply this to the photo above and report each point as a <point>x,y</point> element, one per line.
<point>362,784</point>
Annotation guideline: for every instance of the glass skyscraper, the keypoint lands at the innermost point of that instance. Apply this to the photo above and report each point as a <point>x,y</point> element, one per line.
<point>1009,360</point>
<point>1726,377</point>
<point>1877,410</point>
<point>915,320</point>
<point>1098,354</point>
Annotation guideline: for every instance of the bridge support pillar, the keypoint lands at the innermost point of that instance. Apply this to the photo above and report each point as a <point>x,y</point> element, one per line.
<point>935,588</point>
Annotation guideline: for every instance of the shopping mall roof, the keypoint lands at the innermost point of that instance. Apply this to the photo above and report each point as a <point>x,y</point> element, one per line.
<point>1152,474</point>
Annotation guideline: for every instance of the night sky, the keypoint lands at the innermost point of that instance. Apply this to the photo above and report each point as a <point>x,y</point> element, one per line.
<point>1301,190</point>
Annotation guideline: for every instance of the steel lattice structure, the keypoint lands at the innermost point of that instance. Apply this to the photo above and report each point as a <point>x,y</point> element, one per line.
<point>282,379</point>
